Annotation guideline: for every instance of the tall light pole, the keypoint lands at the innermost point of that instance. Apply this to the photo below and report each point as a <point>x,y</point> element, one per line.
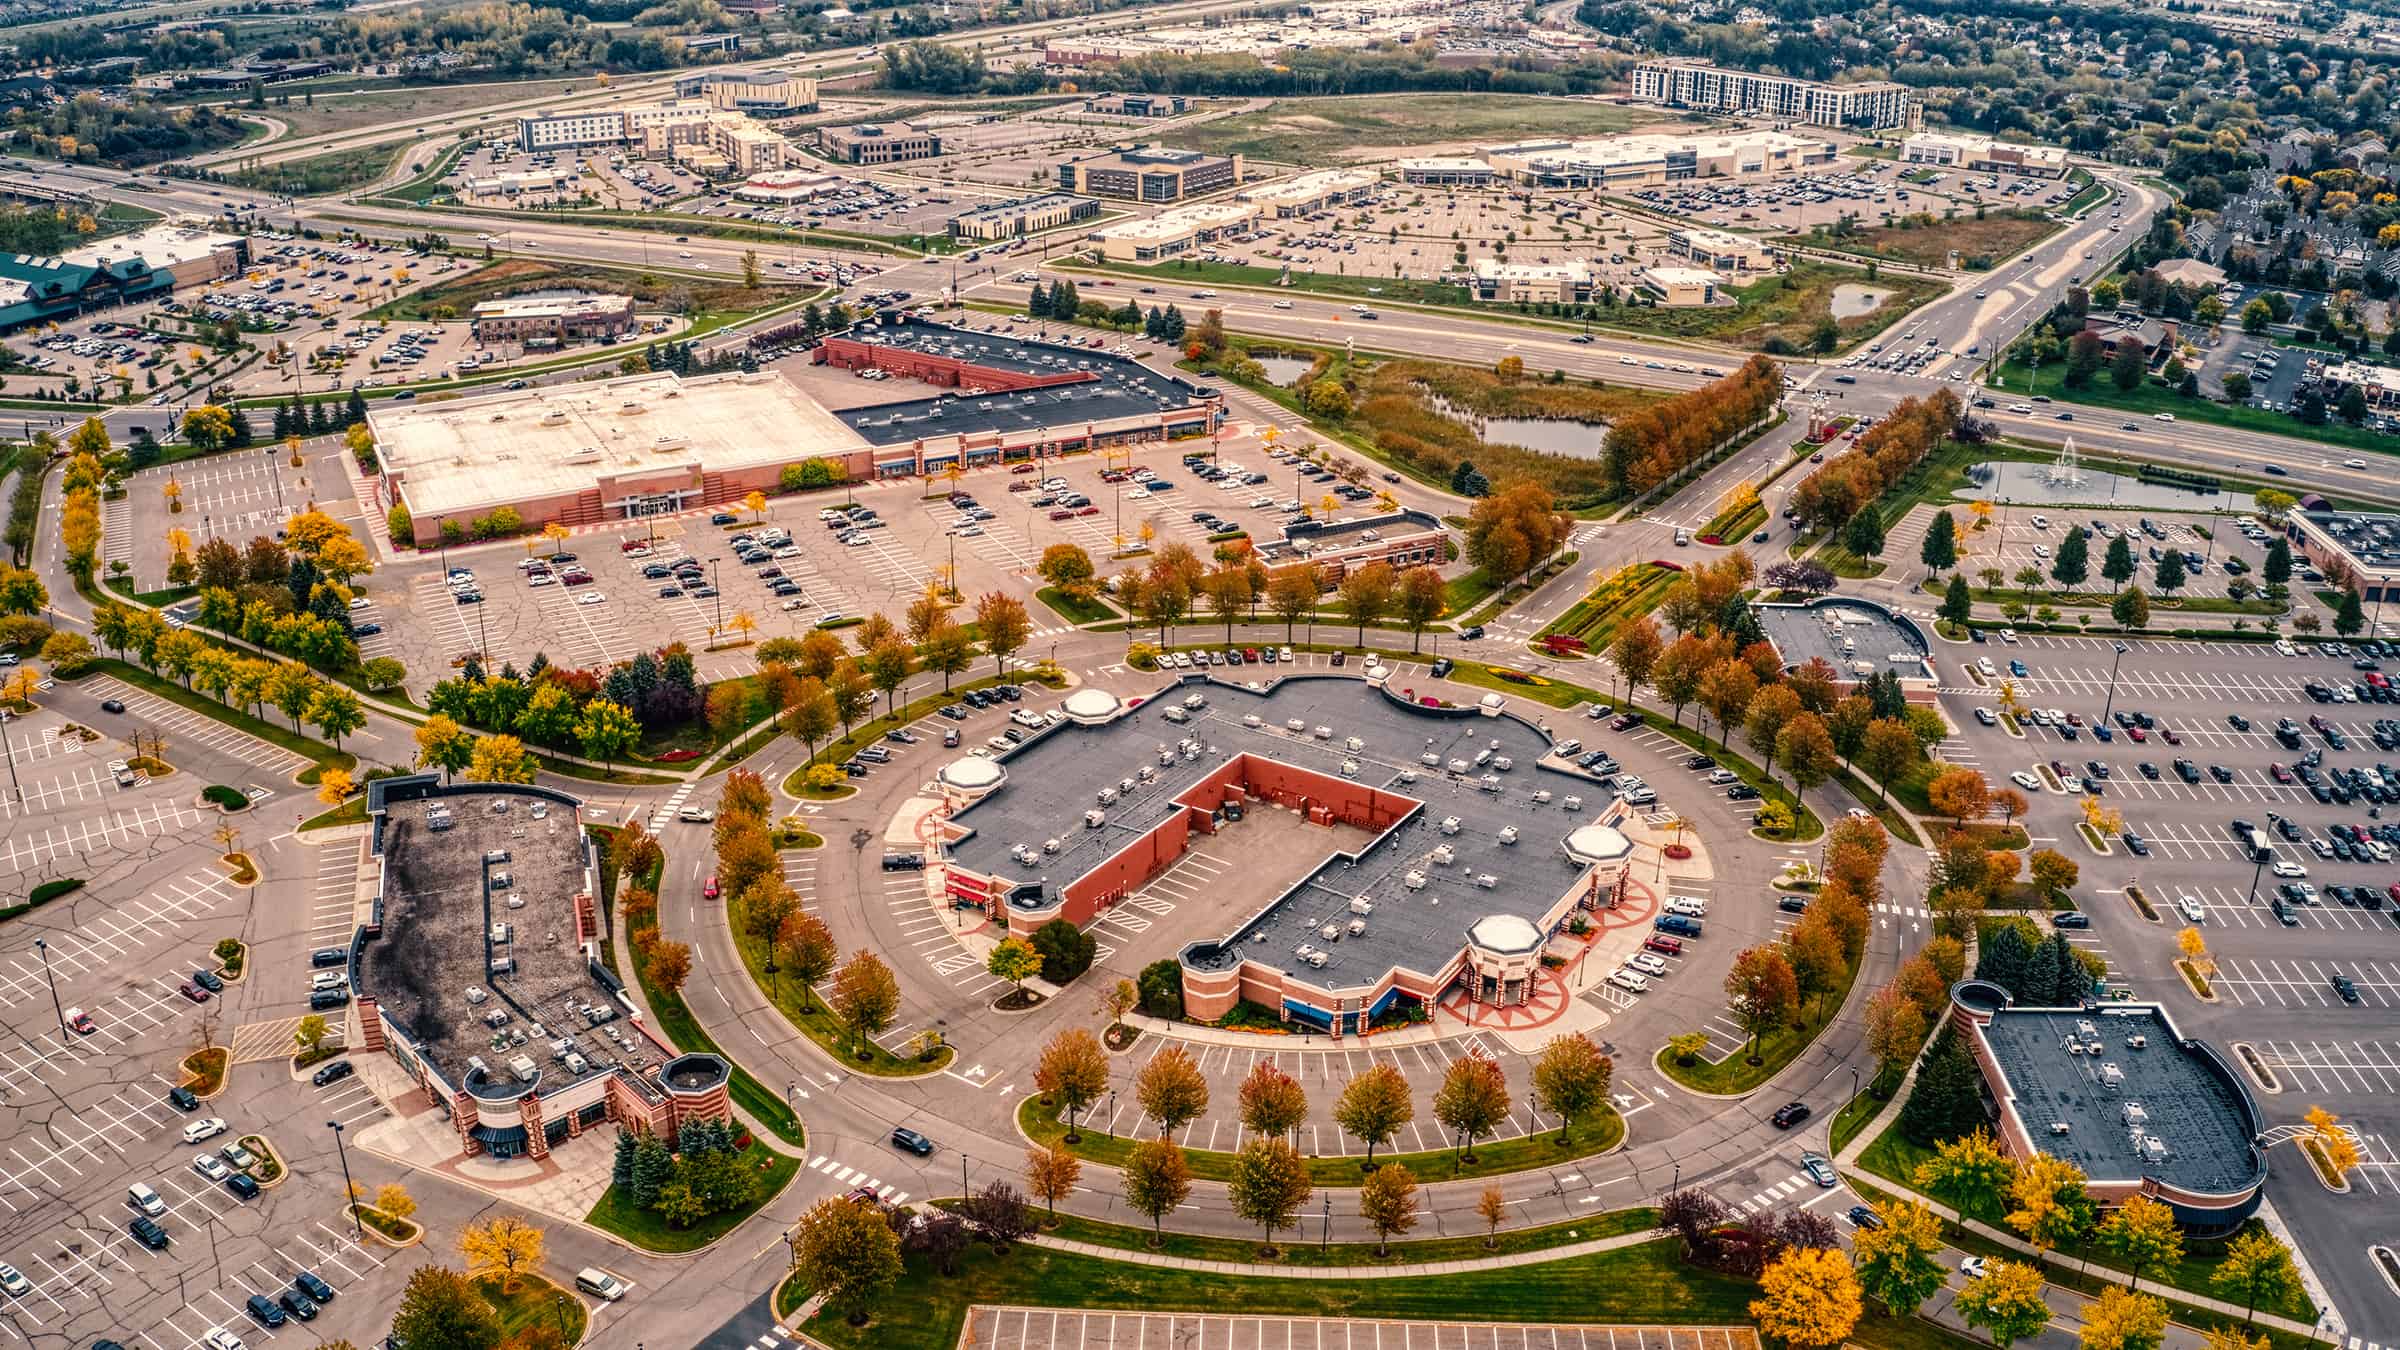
<point>2111,701</point>
<point>719,597</point>
<point>42,945</point>
<point>349,1187</point>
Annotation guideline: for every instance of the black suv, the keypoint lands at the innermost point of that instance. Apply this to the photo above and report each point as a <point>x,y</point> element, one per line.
<point>906,1138</point>
<point>1789,1114</point>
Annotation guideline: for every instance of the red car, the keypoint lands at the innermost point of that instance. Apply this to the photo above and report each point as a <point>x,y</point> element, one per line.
<point>2282,774</point>
<point>1660,942</point>
<point>1063,513</point>
<point>193,992</point>
<point>709,891</point>
<point>1087,511</point>
<point>2137,734</point>
<point>2171,737</point>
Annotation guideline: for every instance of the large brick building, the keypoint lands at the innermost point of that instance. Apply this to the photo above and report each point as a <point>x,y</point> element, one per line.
<point>1150,173</point>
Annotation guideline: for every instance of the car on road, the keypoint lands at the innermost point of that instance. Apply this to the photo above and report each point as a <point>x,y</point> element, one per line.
<point>2026,780</point>
<point>908,1139</point>
<point>1863,1216</point>
<point>1789,1114</point>
<point>709,891</point>
<point>2191,909</point>
<point>1819,1170</point>
<point>2285,868</point>
<point>1987,717</point>
<point>207,1127</point>
<point>110,705</point>
<point>695,815</point>
<point>1972,1267</point>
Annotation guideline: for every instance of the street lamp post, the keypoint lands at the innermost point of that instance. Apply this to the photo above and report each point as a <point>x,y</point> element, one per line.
<point>2111,701</point>
<point>720,594</point>
<point>349,1187</point>
<point>42,945</point>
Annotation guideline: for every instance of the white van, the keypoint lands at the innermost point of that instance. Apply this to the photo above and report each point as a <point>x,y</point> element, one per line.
<point>601,1284</point>
<point>141,1197</point>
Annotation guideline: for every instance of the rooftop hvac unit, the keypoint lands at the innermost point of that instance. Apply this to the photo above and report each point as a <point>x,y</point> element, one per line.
<point>1408,775</point>
<point>1349,768</point>
<point>475,994</point>
<point>1415,881</point>
<point>1486,881</point>
<point>1430,760</point>
<point>1302,951</point>
<point>2154,1149</point>
<point>523,1067</point>
<point>515,901</point>
<point>2058,1127</point>
<point>2074,1047</point>
<point>576,1064</point>
<point>502,965</point>
<point>1541,797</point>
<point>2136,1042</point>
<point>1025,857</point>
<point>1450,825</point>
<point>561,1048</point>
<point>1458,766</point>
<point>1331,932</point>
<point>1572,804</point>
<point>1295,725</point>
<point>2085,1028</point>
<point>1051,846</point>
<point>439,823</point>
<point>497,1017</point>
<point>1094,819</point>
<point>1490,782</point>
<point>1124,785</point>
<point>1317,959</point>
<point>2111,1077</point>
<point>1147,773</point>
<point>1251,720</point>
<point>2135,1115</point>
<point>475,1065</point>
<point>1358,928</point>
<point>599,1013</point>
<point>1503,763</point>
<point>1444,855</point>
<point>1324,733</point>
<point>1354,745</point>
<point>1194,700</point>
<point>1360,904</point>
<point>501,881</point>
<point>1508,834</point>
<point>499,932</point>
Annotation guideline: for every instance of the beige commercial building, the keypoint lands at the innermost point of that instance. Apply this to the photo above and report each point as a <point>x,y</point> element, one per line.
<point>1533,283</point>
<point>878,143</point>
<point>1175,232</point>
<point>582,454</point>
<point>1680,82</point>
<point>699,130</point>
<point>1680,286</point>
<point>1720,250</point>
<point>1982,154</point>
<point>758,93</point>
<point>1650,159</point>
<point>190,256</point>
<point>1311,192</point>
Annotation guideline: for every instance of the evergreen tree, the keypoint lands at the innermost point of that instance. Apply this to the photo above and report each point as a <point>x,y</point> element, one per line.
<point>2170,572</point>
<point>2119,566</point>
<point>621,1169</point>
<point>652,1165</point>
<point>355,410</point>
<point>2042,977</point>
<point>241,434</point>
<point>1736,621</point>
<point>1037,305</point>
<point>1941,543</point>
<point>1175,324</point>
<point>1128,316</point>
<point>1958,603</point>
<point>319,422</point>
<point>1947,1100</point>
<point>2074,981</point>
<point>283,420</point>
<point>2073,565</point>
<point>2004,959</point>
<point>1864,534</point>
<point>2278,570</point>
<point>1468,481</point>
<point>2351,617</point>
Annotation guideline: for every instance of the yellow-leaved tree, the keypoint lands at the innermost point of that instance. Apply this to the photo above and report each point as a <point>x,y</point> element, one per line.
<point>1808,1297</point>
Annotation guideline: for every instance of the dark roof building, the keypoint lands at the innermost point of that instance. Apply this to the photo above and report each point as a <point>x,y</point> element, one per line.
<point>38,290</point>
<point>1454,845</point>
<point>1858,638</point>
<point>2115,1089</point>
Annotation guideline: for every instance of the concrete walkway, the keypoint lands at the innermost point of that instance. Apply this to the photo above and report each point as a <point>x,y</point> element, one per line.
<point>1272,1270</point>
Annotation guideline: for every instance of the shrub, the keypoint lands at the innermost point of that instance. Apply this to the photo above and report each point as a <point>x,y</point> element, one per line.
<point>1161,984</point>
<point>52,889</point>
<point>1066,950</point>
<point>227,798</point>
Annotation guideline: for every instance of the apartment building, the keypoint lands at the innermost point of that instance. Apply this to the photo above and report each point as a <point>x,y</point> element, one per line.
<point>1681,83</point>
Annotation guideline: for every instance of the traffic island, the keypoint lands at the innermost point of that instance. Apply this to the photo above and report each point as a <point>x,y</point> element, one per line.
<point>204,1071</point>
<point>389,1229</point>
<point>229,800</point>
<point>269,1171</point>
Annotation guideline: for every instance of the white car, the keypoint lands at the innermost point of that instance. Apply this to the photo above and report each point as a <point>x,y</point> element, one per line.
<point>2025,779</point>
<point>1283,304</point>
<point>13,1282</point>
<point>211,1166</point>
<point>2284,867</point>
<point>1138,495</point>
<point>2009,636</point>
<point>206,1127</point>
<point>1972,1267</point>
<point>2192,909</point>
<point>1985,665</point>
<point>590,598</point>
<point>218,1338</point>
<point>1629,981</point>
<point>1647,963</point>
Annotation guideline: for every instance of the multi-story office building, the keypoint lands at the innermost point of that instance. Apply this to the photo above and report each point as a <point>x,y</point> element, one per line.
<point>1150,173</point>
<point>1029,215</point>
<point>878,143</point>
<point>1681,83</point>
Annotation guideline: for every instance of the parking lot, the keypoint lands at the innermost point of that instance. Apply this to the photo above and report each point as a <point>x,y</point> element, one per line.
<point>2303,953</point>
<point>1058,1329</point>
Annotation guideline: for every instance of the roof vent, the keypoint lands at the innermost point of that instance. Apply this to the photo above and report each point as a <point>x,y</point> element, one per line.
<point>1415,881</point>
<point>1486,881</point>
<point>2058,1127</point>
<point>1508,834</point>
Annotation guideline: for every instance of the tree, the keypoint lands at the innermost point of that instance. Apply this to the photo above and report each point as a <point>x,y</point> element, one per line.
<point>2120,1319</point>
<point>1271,1101</point>
<point>1423,596</point>
<point>1472,1100</point>
<point>505,1242</point>
<point>445,744</point>
<point>1726,689</point>
<point>1888,751</point>
<point>1958,602</point>
<point>1959,793</point>
<point>1051,1174</point>
<point>947,649</point>
<point>2171,572</point>
<point>1762,992</point>
<point>1808,1297</point>
<point>1066,950</point>
<point>1513,528</point>
<point>1899,1262</point>
<point>1367,594</point>
<point>2336,1147</point>
<point>1292,592</point>
<point>1895,1028</point>
<point>1157,1181</point>
<point>1074,1069</point>
<point>2257,1269</point>
<point>865,995</point>
<point>1068,568</point>
<point>1570,1080</point>
<point>1770,710</point>
<point>441,1307</point>
<point>2006,1302</point>
<point>1015,961</point>
<point>669,964</point>
<point>2119,566</point>
<point>998,1215</point>
<point>2277,570</point>
<point>2351,615</point>
<point>393,1198</point>
<point>2049,1207</point>
<point>1373,1106</point>
<point>499,759</point>
<point>1863,535</point>
<point>1005,626</point>
<point>1969,1173</point>
<point>1805,750</point>
<point>2073,565</point>
<point>2127,365</point>
<point>2142,1233</point>
<point>1171,1090</point>
<point>606,730</point>
<point>847,1253</point>
<point>1269,1184</point>
<point>310,1032</point>
<point>2131,608</point>
<point>2053,871</point>
<point>1387,1200</point>
<point>1636,651</point>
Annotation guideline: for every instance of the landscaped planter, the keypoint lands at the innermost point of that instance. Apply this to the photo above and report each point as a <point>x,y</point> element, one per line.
<point>384,1228</point>
<point>206,1072</point>
<point>270,1171</point>
<point>229,800</point>
<point>239,869</point>
<point>1677,852</point>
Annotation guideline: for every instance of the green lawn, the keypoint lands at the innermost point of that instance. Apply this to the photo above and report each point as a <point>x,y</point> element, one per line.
<point>1777,1049</point>
<point>616,1212</point>
<point>1319,131</point>
<point>336,172</point>
<point>1073,610</point>
<point>536,1302</point>
<point>1856,1114</point>
<point>1641,1284</point>
<point>2160,606</point>
<point>1038,1118</point>
<point>810,1015</point>
<point>1893,1157</point>
<point>1610,1223</point>
<point>2150,397</point>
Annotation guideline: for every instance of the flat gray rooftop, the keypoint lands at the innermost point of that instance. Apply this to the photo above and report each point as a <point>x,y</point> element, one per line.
<point>1848,634</point>
<point>439,909</point>
<point>1117,387</point>
<point>1054,778</point>
<point>2194,1108</point>
<point>2373,538</point>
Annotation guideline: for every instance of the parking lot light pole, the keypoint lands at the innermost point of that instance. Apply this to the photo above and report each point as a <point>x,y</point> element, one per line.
<point>42,945</point>
<point>2112,683</point>
<point>2257,865</point>
<point>720,593</point>
<point>349,1187</point>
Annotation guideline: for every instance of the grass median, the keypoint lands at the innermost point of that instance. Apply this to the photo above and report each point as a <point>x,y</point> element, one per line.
<point>1775,1053</point>
<point>1191,1246</point>
<point>1037,1117</point>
